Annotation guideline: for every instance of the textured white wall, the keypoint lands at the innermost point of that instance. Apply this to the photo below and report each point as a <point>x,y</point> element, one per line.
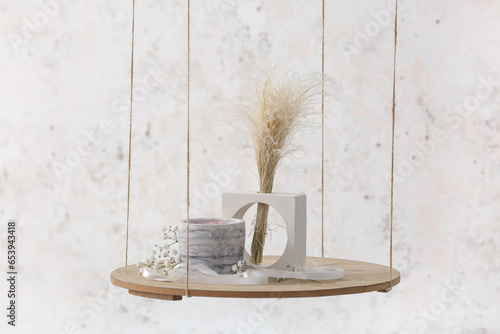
<point>64,72</point>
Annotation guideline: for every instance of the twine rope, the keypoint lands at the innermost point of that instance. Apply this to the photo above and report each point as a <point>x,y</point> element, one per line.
<point>323,129</point>
<point>130,129</point>
<point>188,157</point>
<point>393,130</point>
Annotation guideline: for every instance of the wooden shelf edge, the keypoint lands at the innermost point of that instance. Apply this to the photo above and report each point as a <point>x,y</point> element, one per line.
<point>128,278</point>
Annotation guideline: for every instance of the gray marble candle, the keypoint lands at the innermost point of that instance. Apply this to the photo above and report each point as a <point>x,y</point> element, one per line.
<point>217,243</point>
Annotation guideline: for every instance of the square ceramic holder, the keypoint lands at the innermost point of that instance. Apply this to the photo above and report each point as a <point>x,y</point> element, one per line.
<point>291,207</point>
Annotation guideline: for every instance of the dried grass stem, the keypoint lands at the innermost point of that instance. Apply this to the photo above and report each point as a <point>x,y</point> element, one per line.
<point>274,110</point>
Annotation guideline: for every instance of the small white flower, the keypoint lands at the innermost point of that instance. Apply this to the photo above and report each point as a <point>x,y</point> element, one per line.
<point>240,263</point>
<point>175,252</point>
<point>234,268</point>
<point>156,266</point>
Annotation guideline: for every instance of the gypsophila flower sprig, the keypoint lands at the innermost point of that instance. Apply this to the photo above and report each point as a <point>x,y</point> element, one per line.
<point>241,266</point>
<point>165,256</point>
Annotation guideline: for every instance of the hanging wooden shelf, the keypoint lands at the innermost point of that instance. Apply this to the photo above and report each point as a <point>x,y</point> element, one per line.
<point>359,277</point>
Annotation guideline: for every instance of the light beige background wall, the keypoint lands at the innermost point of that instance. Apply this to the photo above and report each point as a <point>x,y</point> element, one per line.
<point>64,77</point>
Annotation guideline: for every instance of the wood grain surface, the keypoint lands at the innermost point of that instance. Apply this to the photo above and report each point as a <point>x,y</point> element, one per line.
<point>359,277</point>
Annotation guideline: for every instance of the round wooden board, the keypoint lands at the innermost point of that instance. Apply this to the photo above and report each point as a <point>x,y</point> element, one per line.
<point>358,277</point>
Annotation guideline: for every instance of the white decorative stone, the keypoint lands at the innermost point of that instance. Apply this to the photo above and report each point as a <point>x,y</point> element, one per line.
<point>217,243</point>
<point>291,207</point>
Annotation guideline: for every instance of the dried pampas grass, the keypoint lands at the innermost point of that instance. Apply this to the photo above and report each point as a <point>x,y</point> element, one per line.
<point>277,105</point>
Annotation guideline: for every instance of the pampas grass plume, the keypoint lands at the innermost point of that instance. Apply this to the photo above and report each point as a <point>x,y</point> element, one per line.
<point>278,104</point>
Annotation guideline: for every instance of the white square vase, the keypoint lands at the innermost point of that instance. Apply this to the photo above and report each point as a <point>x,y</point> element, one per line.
<point>291,207</point>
